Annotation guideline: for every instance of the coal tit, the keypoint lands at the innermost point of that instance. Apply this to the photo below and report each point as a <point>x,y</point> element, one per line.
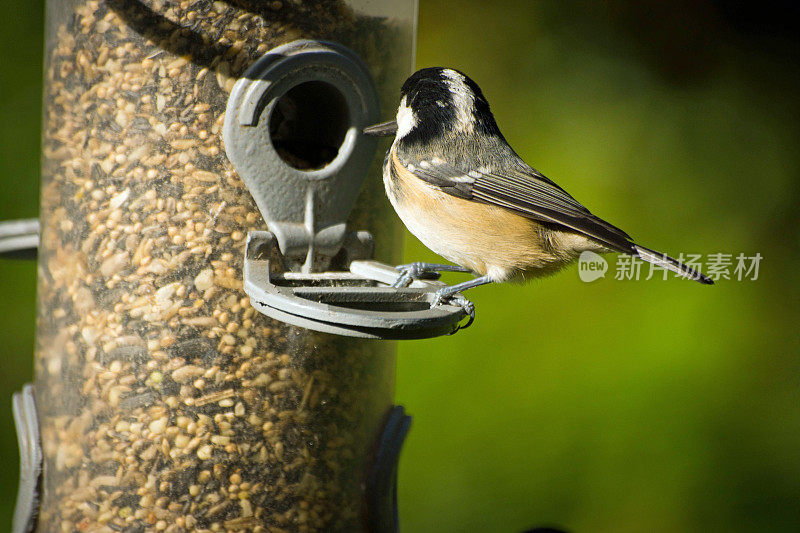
<point>462,190</point>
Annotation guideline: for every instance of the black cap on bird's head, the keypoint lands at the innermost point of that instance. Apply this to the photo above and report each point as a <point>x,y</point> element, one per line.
<point>438,102</point>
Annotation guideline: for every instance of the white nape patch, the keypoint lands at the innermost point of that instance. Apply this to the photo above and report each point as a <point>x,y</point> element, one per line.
<point>406,120</point>
<point>475,174</point>
<point>440,103</point>
<point>484,170</point>
<point>463,179</point>
<point>424,164</point>
<point>463,99</point>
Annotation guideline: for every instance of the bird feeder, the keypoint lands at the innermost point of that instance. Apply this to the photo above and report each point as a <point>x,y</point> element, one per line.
<point>207,259</point>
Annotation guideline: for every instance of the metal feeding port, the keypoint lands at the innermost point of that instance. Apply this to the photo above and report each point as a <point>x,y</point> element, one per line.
<point>293,132</point>
<point>358,302</point>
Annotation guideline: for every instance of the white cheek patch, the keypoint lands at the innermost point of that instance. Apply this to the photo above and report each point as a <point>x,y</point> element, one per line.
<point>463,99</point>
<point>405,119</point>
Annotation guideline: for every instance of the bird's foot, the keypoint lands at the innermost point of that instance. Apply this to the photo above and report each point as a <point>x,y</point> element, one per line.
<point>443,296</point>
<point>421,270</point>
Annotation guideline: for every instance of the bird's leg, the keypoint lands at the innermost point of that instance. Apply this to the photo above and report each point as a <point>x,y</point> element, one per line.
<point>411,271</point>
<point>445,293</point>
<point>451,294</point>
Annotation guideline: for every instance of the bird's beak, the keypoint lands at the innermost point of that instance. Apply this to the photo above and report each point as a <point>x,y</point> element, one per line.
<point>384,129</point>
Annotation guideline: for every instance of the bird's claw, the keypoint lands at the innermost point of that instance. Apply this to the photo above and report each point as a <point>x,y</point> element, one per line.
<point>457,300</point>
<point>411,271</point>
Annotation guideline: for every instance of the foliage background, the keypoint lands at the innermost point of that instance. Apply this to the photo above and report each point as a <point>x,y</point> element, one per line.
<point>610,406</point>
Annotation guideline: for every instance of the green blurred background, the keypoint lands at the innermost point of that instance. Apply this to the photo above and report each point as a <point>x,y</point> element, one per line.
<point>610,406</point>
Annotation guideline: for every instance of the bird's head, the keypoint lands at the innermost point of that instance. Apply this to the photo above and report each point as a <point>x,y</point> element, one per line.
<point>436,104</point>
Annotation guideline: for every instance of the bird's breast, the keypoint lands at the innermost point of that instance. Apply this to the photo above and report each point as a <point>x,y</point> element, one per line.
<point>486,239</point>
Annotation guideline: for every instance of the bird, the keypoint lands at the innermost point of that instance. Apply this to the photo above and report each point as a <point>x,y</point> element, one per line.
<point>460,188</point>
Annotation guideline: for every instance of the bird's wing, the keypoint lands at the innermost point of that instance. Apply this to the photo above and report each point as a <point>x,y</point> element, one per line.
<point>527,192</point>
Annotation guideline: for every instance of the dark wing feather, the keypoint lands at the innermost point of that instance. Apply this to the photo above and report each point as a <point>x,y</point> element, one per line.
<point>528,193</point>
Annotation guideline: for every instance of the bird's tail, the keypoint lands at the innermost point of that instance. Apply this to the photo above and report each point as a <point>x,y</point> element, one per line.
<point>665,261</point>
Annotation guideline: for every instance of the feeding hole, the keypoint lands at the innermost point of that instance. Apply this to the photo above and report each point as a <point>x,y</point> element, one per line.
<point>308,125</point>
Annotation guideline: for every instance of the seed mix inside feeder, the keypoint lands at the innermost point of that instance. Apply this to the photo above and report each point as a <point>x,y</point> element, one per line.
<point>165,400</point>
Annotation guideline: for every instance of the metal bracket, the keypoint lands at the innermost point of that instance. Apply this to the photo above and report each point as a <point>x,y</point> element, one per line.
<point>19,238</point>
<point>305,209</point>
<point>30,453</point>
<point>380,485</point>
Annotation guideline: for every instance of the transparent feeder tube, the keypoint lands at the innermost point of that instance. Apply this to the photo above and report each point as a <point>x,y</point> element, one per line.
<point>165,401</point>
